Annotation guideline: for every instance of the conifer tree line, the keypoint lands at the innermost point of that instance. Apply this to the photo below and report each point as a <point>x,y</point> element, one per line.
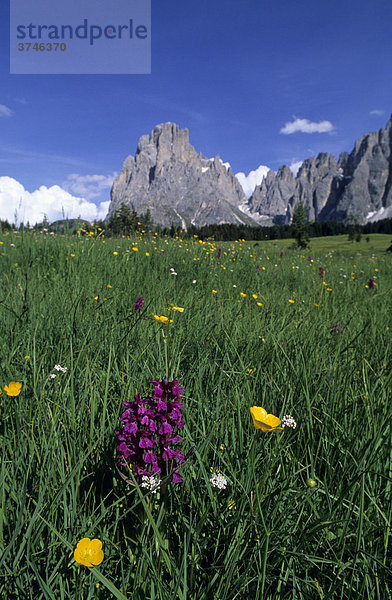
<point>126,221</point>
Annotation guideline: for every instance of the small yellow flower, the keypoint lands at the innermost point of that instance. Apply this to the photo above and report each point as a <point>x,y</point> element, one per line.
<point>13,388</point>
<point>242,295</point>
<point>147,254</point>
<point>376,270</point>
<point>162,319</point>
<point>291,301</point>
<point>214,292</point>
<point>72,255</point>
<point>109,286</point>
<point>177,308</point>
<point>329,289</point>
<point>135,249</point>
<point>89,552</point>
<point>255,296</point>
<point>315,304</point>
<point>115,253</point>
<point>259,304</point>
<point>230,507</point>
<point>263,421</point>
<point>96,297</point>
<point>222,447</point>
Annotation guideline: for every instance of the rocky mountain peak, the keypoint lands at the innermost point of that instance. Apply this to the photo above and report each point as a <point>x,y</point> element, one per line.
<point>177,184</point>
<point>180,186</point>
<point>357,187</point>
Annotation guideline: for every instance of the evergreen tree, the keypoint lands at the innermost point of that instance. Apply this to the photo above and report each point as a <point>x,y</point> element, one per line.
<point>123,221</point>
<point>146,220</point>
<point>300,225</point>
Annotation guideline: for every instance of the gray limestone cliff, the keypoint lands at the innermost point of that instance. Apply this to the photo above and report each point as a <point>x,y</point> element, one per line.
<point>177,184</point>
<point>180,186</point>
<point>268,202</point>
<point>356,188</point>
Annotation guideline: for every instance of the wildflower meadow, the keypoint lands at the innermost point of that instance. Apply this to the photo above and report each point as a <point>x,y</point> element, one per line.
<point>183,419</point>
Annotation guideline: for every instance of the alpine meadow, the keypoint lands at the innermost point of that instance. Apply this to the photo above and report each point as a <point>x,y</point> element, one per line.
<point>194,420</point>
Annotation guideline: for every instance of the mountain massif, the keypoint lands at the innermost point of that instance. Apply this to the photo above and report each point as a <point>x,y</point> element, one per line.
<point>180,186</point>
<point>168,177</point>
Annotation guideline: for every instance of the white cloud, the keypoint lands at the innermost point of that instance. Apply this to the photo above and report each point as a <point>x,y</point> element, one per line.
<point>294,167</point>
<point>254,178</point>
<point>88,186</point>
<point>5,111</point>
<point>377,112</point>
<point>306,126</point>
<point>54,202</point>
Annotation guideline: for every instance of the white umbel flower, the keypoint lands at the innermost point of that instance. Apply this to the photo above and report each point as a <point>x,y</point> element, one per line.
<point>151,483</point>
<point>288,421</point>
<point>218,481</point>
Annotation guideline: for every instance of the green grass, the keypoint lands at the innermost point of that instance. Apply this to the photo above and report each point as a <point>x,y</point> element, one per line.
<point>283,539</point>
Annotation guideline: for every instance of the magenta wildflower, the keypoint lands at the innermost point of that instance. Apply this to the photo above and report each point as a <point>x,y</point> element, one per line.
<point>371,284</point>
<point>336,329</point>
<point>321,272</point>
<point>282,254</point>
<point>219,252</point>
<point>137,307</point>
<point>148,438</point>
<point>258,268</point>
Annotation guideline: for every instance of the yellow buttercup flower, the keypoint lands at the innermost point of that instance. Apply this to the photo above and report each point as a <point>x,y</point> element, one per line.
<point>255,296</point>
<point>263,421</point>
<point>115,253</point>
<point>291,301</point>
<point>214,292</point>
<point>162,319</point>
<point>89,552</point>
<point>177,308</point>
<point>242,295</point>
<point>13,388</point>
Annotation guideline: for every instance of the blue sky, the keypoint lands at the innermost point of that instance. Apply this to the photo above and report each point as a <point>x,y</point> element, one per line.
<point>234,73</point>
